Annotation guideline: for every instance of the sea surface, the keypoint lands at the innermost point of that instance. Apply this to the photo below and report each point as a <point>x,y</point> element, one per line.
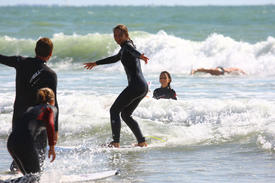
<point>221,128</point>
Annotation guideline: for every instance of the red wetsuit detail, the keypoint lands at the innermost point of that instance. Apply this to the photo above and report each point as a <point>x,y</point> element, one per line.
<point>47,116</point>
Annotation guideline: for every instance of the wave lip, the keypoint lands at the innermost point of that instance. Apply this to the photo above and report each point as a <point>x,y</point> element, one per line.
<point>166,52</point>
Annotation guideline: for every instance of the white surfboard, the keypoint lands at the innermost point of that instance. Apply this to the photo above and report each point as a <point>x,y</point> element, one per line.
<point>88,177</point>
<point>68,178</point>
<point>8,175</point>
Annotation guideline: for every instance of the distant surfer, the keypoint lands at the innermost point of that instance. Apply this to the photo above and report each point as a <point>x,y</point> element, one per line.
<point>218,71</point>
<point>165,91</point>
<point>136,90</point>
<point>21,141</point>
<point>31,75</point>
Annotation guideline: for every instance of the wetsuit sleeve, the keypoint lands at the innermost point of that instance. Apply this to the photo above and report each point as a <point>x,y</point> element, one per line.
<point>109,60</point>
<point>47,116</point>
<point>155,95</point>
<point>132,51</point>
<point>53,85</point>
<point>12,61</point>
<point>174,95</point>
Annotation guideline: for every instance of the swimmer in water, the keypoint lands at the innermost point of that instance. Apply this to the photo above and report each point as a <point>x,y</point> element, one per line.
<point>219,71</point>
<point>137,88</point>
<point>165,91</point>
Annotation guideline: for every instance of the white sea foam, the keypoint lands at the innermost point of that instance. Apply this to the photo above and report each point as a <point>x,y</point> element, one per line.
<point>166,52</point>
<point>188,121</point>
<point>180,122</point>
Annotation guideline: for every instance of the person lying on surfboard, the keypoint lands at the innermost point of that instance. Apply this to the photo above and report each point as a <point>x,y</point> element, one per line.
<point>165,91</point>
<point>21,141</point>
<point>218,71</point>
<point>137,88</point>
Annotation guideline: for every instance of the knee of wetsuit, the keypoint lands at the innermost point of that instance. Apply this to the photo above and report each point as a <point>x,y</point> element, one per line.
<point>125,116</point>
<point>113,111</point>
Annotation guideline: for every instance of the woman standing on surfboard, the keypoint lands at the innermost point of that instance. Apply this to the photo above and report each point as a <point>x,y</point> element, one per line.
<point>136,90</point>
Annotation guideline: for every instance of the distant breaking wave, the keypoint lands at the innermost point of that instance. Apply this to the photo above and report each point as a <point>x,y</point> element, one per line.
<point>166,52</point>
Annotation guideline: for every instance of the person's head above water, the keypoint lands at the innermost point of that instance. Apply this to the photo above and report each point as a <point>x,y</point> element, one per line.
<point>121,34</point>
<point>165,79</point>
<point>45,96</point>
<point>44,48</point>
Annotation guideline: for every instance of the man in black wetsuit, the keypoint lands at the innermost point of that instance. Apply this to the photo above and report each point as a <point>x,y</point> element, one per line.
<point>136,90</point>
<point>31,75</point>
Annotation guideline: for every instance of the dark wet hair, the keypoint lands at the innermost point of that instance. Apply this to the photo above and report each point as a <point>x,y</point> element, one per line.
<point>169,76</point>
<point>44,47</point>
<point>45,95</point>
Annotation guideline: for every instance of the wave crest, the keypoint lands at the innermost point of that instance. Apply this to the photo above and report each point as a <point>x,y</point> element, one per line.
<point>166,52</point>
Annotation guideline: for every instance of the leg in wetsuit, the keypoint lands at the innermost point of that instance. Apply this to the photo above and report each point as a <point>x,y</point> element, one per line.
<point>40,144</point>
<point>125,104</point>
<point>28,140</point>
<point>25,156</point>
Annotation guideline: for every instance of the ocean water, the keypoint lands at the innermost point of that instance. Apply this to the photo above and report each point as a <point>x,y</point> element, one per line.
<point>221,128</point>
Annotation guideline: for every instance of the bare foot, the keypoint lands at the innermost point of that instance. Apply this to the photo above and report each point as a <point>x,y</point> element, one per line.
<point>114,144</point>
<point>142,144</point>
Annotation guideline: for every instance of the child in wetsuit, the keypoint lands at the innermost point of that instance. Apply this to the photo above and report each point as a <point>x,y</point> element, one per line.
<point>21,141</point>
<point>165,91</point>
<point>136,90</point>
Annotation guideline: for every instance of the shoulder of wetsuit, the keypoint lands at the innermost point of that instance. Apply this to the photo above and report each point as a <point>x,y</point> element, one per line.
<point>27,61</point>
<point>21,60</point>
<point>156,93</point>
<point>52,108</point>
<point>50,74</point>
<point>173,90</point>
<point>157,90</point>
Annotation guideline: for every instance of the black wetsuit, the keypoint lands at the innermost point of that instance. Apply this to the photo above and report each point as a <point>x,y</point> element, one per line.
<point>31,75</point>
<point>165,93</point>
<point>21,142</point>
<point>131,96</point>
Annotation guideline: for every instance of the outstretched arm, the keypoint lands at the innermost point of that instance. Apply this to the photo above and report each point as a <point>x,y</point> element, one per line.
<point>108,60</point>
<point>11,61</point>
<point>209,71</point>
<point>136,54</point>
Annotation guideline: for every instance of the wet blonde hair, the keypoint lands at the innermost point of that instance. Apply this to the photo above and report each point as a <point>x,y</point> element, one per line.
<point>123,29</point>
<point>45,95</point>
